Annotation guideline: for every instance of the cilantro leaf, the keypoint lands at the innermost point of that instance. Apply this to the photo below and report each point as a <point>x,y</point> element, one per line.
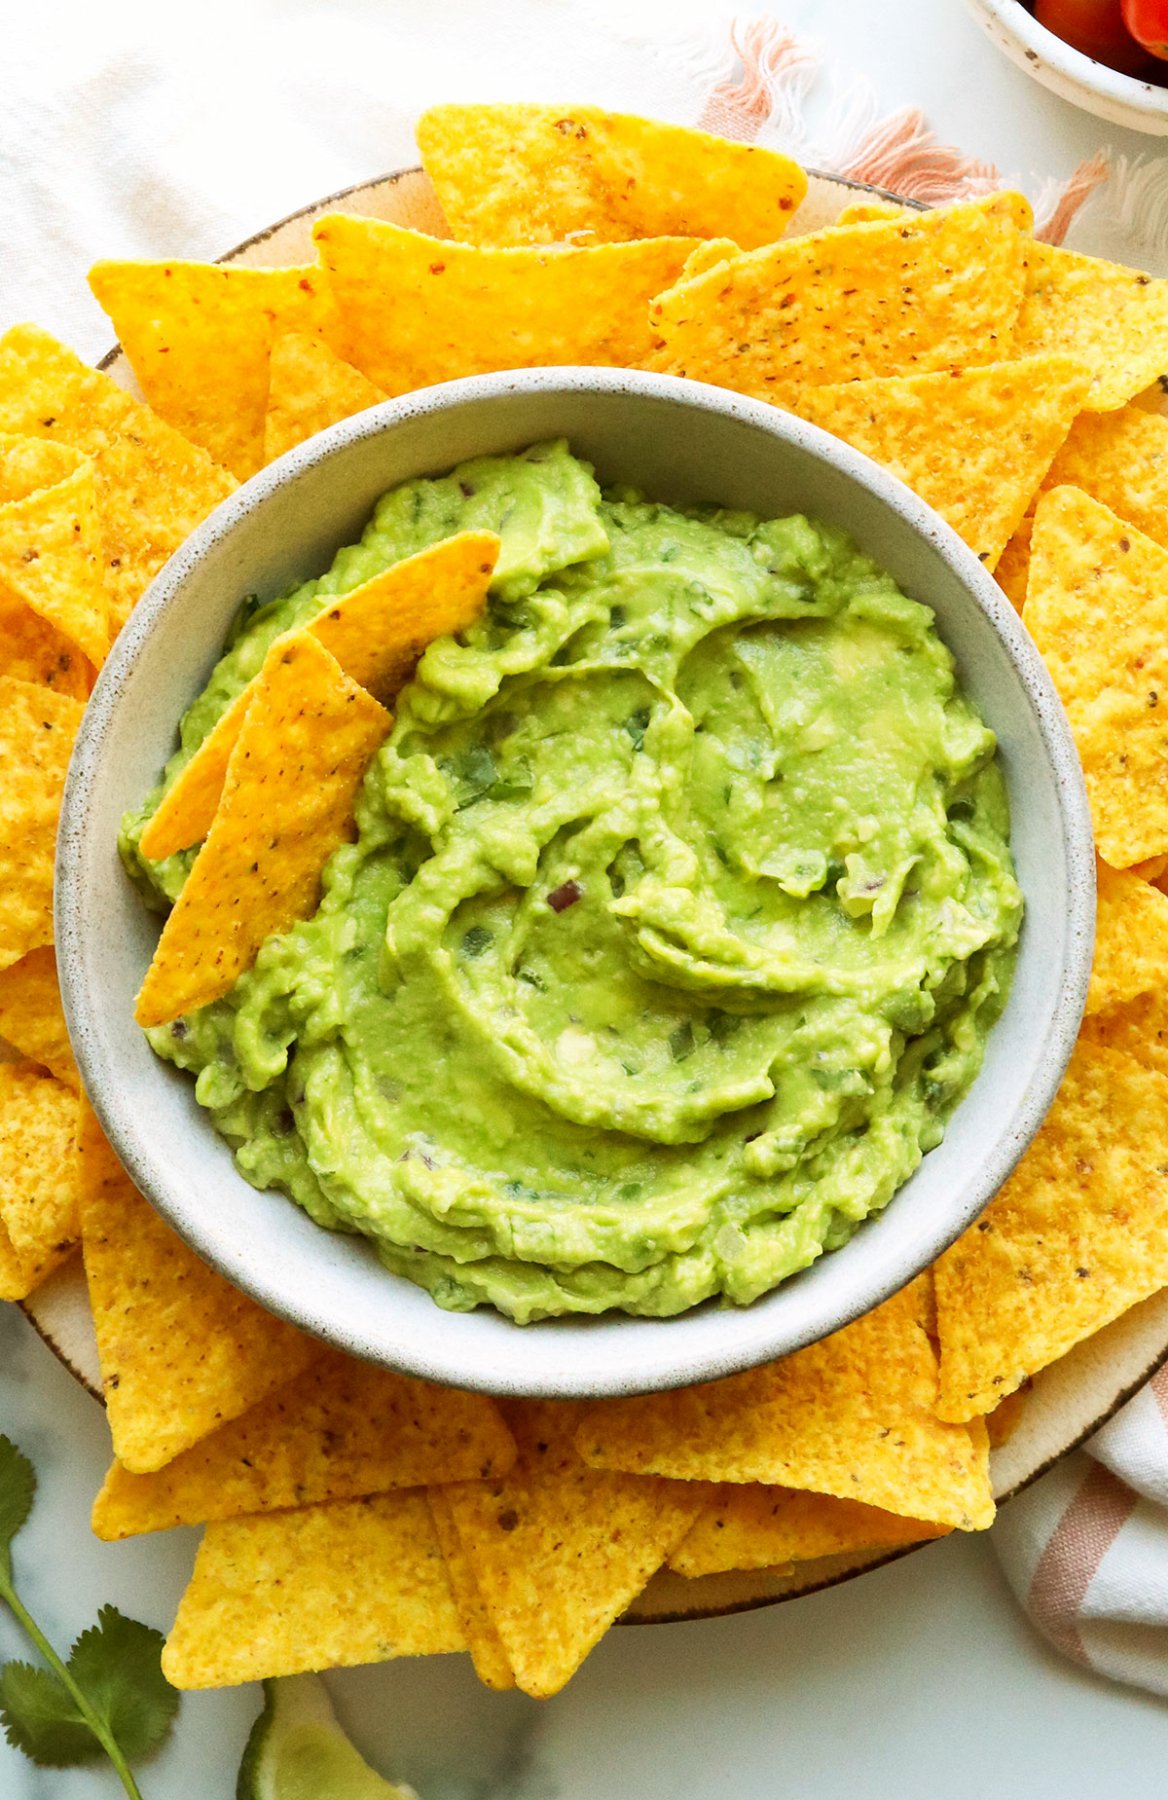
<point>40,1718</point>
<point>117,1665</point>
<point>17,1489</point>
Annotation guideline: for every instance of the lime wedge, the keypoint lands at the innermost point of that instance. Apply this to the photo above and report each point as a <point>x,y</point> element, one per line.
<point>297,1751</point>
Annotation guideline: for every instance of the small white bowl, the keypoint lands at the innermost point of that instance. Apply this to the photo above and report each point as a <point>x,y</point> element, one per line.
<point>1121,99</point>
<point>677,440</point>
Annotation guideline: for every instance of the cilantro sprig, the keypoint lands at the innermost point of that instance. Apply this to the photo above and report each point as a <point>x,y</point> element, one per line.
<point>110,1696</point>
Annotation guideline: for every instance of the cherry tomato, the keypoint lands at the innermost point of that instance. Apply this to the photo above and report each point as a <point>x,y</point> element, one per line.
<point>1147,20</point>
<point>1096,27</point>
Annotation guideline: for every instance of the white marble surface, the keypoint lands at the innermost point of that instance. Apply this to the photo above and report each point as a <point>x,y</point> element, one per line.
<point>919,1681</point>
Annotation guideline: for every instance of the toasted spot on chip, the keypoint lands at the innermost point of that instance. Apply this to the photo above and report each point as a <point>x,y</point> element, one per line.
<point>37,728</point>
<point>310,388</point>
<point>199,337</point>
<point>417,310</point>
<point>338,1430</point>
<point>181,1350</point>
<point>376,632</point>
<point>483,1641</point>
<point>750,1526</point>
<point>1097,607</point>
<point>1013,569</point>
<point>906,296</point>
<point>559,1550</point>
<point>526,174</point>
<point>1078,1234</point>
<point>38,1176</point>
<point>287,802</point>
<point>973,443</point>
<point>153,486</point>
<point>853,1415</point>
<point>31,1019</point>
<point>1131,937</point>
<point>1120,459</point>
<point>321,1587</point>
<point>1112,318</point>
<point>51,552</point>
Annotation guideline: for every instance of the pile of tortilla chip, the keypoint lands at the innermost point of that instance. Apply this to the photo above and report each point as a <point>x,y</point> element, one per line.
<point>352,1514</point>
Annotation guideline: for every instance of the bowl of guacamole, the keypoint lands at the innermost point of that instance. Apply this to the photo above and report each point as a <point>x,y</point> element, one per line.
<point>714,926</point>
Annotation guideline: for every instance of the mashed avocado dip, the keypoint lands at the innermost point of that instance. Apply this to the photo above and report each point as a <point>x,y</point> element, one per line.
<point>680,906</point>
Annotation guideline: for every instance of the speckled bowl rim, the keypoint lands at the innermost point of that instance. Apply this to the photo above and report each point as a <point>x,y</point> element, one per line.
<point>440,1360</point>
<point>1075,77</point>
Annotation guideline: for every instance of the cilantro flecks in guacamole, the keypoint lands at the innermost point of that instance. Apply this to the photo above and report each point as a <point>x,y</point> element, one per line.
<point>680,906</point>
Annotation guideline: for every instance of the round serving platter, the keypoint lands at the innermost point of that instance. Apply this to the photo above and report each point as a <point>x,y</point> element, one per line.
<point>1068,1401</point>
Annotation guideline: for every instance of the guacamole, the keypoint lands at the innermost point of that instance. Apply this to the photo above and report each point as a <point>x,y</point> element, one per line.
<point>680,905</point>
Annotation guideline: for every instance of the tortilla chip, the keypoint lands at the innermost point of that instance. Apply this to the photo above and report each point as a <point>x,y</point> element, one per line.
<point>1131,937</point>
<point>38,1176</point>
<point>310,388</point>
<point>973,443</point>
<point>1120,459</point>
<point>853,1415</point>
<point>902,296</point>
<point>376,632</point>
<point>34,651</point>
<point>37,728</point>
<point>287,804</point>
<point>560,1550</point>
<point>31,1019</point>
<point>199,337</point>
<point>1006,1417</point>
<point>51,546</point>
<point>709,255</point>
<point>181,1350</point>
<point>153,487</point>
<point>1097,607</point>
<point>1137,1027</point>
<point>324,1587</point>
<point>1078,1234</point>
<point>1112,318</point>
<point>507,175</point>
<point>338,1430</point>
<point>866,212</point>
<point>417,309</point>
<point>756,1527</point>
<point>483,1641</point>
<point>1151,869</point>
<point>1013,571</point>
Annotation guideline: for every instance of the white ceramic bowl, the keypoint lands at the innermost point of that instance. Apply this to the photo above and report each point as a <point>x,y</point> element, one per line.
<point>677,440</point>
<point>1121,99</point>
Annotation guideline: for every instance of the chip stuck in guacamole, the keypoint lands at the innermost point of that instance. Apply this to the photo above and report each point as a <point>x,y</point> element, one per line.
<point>679,905</point>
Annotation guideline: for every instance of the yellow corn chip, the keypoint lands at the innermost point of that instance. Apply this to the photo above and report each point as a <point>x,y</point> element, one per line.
<point>974,443</point>
<point>1013,570</point>
<point>1131,937</point>
<point>1097,607</point>
<point>1078,1234</point>
<point>37,728</point>
<point>181,1350</point>
<point>1120,459</point>
<point>708,255</point>
<point>755,1527</point>
<point>153,487</point>
<point>509,175</point>
<point>199,336</point>
<point>853,1416</point>
<point>51,546</point>
<point>376,633</point>
<point>287,804</point>
<point>850,302</point>
<point>309,388</point>
<point>33,650</point>
<point>352,1581</point>
<point>31,1019</point>
<point>483,1641</point>
<point>1137,1027</point>
<point>38,1176</point>
<point>338,1430</point>
<point>1006,1417</point>
<point>867,212</point>
<point>559,1550</point>
<point>1151,869</point>
<point>1112,318</point>
<point>417,310</point>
